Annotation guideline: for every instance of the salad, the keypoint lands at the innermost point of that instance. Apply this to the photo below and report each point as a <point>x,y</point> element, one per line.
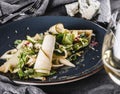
<point>39,56</point>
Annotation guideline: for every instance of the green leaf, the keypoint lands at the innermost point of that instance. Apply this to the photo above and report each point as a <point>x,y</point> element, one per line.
<point>22,60</point>
<point>31,39</point>
<point>77,46</point>
<point>84,41</point>
<point>52,72</point>
<point>17,42</point>
<point>29,51</point>
<point>21,64</point>
<point>68,39</point>
<point>29,71</point>
<point>59,37</point>
<point>72,57</point>
<point>82,35</point>
<point>25,73</point>
<point>38,74</point>
<point>20,73</point>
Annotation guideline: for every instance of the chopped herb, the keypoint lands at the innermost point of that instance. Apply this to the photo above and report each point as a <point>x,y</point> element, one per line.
<point>31,39</point>
<point>17,42</point>
<point>68,39</point>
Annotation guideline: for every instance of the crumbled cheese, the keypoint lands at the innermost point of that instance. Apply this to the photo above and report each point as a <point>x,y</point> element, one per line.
<point>72,8</point>
<point>30,45</point>
<point>88,8</point>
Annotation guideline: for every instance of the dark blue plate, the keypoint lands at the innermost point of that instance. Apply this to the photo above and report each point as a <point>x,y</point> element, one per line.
<point>30,26</point>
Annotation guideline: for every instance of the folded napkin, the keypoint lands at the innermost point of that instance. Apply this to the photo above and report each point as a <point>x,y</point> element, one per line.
<point>8,87</point>
<point>12,10</point>
<point>18,9</point>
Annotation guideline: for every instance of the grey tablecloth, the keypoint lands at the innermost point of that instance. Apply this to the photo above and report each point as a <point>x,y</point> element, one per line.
<point>100,83</point>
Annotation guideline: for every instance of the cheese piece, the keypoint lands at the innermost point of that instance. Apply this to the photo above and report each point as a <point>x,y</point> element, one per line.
<point>88,8</point>
<point>43,62</point>
<point>72,8</point>
<point>10,63</point>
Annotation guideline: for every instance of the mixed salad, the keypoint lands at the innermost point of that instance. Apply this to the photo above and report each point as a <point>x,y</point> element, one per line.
<point>39,56</point>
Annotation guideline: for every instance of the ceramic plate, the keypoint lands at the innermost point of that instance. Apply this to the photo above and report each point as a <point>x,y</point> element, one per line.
<point>30,26</point>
